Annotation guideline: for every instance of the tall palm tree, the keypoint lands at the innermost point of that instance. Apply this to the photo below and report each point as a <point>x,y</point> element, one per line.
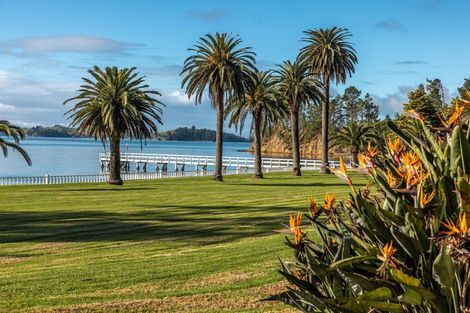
<point>264,103</point>
<point>298,89</point>
<point>331,57</point>
<point>354,136</point>
<point>17,134</point>
<point>222,67</point>
<point>112,104</point>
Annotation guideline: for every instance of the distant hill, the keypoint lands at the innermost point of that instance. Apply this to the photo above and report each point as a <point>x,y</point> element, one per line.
<point>180,134</point>
<point>195,134</point>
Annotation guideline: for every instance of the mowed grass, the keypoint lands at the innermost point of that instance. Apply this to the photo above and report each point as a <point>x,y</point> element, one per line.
<point>169,245</point>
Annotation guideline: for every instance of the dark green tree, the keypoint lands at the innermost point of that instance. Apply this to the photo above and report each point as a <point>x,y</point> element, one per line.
<point>464,94</point>
<point>464,91</point>
<point>370,110</point>
<point>420,101</point>
<point>220,66</point>
<point>350,108</point>
<point>352,104</point>
<point>310,121</point>
<point>113,104</point>
<point>435,92</point>
<point>331,57</point>
<point>338,117</point>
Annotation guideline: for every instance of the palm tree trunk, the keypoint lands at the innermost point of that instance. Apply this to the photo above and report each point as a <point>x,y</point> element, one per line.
<point>219,137</point>
<point>115,161</point>
<point>295,141</point>
<point>257,131</point>
<point>324,126</point>
<point>355,156</point>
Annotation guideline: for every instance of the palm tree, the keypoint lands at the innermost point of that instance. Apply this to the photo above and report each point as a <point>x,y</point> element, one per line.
<point>221,66</point>
<point>17,134</point>
<point>263,101</point>
<point>298,89</point>
<point>112,104</point>
<point>354,136</point>
<point>331,57</point>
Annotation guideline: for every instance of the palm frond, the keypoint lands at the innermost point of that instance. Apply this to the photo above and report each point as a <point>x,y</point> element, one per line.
<point>115,102</point>
<point>296,86</point>
<point>16,134</point>
<point>329,54</point>
<point>218,66</point>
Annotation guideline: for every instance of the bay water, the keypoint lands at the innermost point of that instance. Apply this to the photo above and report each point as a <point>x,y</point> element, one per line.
<point>77,156</point>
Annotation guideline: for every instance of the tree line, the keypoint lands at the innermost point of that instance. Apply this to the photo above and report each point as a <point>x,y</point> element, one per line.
<point>225,68</point>
<point>114,103</point>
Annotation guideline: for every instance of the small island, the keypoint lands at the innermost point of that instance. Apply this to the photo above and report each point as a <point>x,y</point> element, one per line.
<point>178,134</point>
<point>52,131</point>
<point>197,134</point>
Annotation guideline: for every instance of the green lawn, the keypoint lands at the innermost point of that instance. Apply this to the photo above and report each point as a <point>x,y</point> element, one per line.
<point>170,245</point>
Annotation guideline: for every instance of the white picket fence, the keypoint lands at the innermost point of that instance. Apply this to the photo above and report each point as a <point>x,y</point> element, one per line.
<point>101,178</point>
<point>233,165</point>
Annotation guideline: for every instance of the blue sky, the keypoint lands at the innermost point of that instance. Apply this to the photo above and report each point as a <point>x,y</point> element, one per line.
<point>46,46</point>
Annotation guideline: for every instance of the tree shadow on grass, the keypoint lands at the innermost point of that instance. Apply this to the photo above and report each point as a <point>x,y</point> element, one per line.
<point>100,189</point>
<point>308,184</point>
<point>196,224</point>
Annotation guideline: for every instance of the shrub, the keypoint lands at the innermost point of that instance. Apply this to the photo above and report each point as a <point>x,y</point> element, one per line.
<point>399,245</point>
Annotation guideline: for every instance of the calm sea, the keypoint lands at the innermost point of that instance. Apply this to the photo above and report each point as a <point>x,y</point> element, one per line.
<point>74,156</point>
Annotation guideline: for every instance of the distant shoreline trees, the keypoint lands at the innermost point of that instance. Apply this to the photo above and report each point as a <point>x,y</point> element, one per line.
<point>366,111</point>
<point>350,107</point>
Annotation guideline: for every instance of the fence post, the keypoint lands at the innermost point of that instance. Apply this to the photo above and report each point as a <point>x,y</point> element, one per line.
<point>46,180</point>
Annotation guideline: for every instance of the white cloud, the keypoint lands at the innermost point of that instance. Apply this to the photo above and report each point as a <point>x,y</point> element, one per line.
<point>18,84</point>
<point>177,97</point>
<point>33,46</point>
<point>167,71</point>
<point>6,107</point>
<point>393,103</point>
<point>60,87</point>
<point>33,101</point>
<point>4,78</point>
<point>24,124</point>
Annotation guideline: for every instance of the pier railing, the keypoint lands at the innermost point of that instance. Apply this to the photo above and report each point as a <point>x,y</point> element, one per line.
<point>206,160</point>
